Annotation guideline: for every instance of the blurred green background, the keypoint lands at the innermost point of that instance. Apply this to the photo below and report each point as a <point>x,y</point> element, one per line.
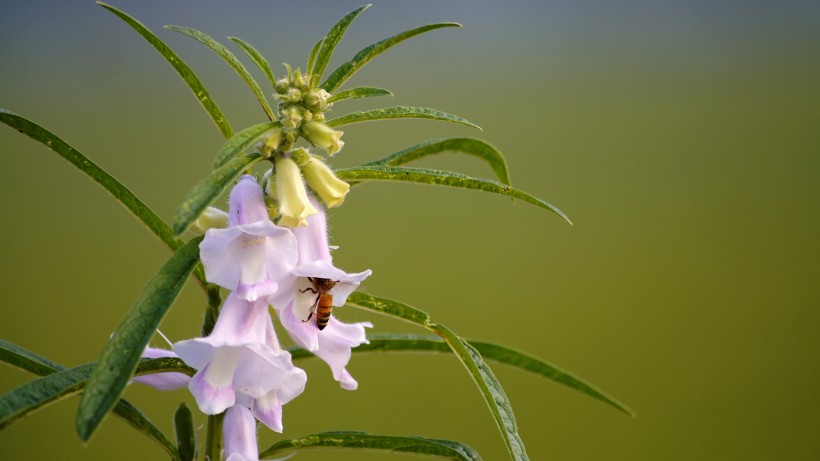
<point>681,137</point>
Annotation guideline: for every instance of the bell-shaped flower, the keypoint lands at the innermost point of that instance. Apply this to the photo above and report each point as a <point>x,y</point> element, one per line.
<point>211,218</point>
<point>294,206</point>
<point>162,381</point>
<point>236,364</point>
<point>252,255</point>
<point>239,430</point>
<point>321,179</point>
<point>334,343</point>
<point>323,136</point>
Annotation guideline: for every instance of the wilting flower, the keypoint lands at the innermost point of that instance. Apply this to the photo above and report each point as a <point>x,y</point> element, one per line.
<point>252,255</point>
<point>334,343</point>
<point>241,362</point>
<point>294,206</point>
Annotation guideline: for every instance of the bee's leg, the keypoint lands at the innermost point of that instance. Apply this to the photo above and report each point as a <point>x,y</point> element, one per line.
<point>312,310</point>
<point>309,289</point>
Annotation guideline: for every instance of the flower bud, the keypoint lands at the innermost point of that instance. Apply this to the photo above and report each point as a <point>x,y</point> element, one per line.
<point>324,182</point>
<point>316,99</point>
<point>294,205</point>
<point>211,218</point>
<point>271,143</point>
<point>282,85</point>
<point>323,136</point>
<point>292,117</point>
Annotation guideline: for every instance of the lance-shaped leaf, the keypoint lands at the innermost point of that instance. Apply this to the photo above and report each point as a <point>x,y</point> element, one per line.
<point>61,383</point>
<point>364,441</point>
<point>186,435</point>
<point>256,57</point>
<point>398,112</point>
<point>208,189</point>
<point>121,193</point>
<point>490,388</point>
<point>313,53</point>
<point>388,307</point>
<point>241,141</point>
<point>331,40</point>
<point>359,92</point>
<point>24,359</point>
<point>182,69</point>
<point>120,356</point>
<point>490,351</point>
<point>232,61</point>
<point>471,146</point>
<point>346,70</point>
<point>441,178</point>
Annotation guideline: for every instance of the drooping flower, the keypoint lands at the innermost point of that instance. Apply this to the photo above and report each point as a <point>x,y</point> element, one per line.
<point>236,364</point>
<point>294,206</point>
<point>323,136</point>
<point>321,179</point>
<point>240,435</point>
<point>253,254</point>
<point>334,343</point>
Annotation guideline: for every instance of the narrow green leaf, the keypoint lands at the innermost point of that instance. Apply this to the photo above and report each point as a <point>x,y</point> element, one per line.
<point>238,143</point>
<point>256,57</point>
<point>490,388</point>
<point>232,61</point>
<point>331,40</point>
<point>398,112</point>
<point>312,58</point>
<point>490,351</point>
<point>186,438</point>
<point>441,178</point>
<point>360,92</point>
<point>182,69</point>
<point>120,356</point>
<point>59,385</point>
<point>388,307</point>
<point>208,189</point>
<point>364,441</point>
<point>121,193</point>
<point>24,359</point>
<point>476,147</point>
<point>346,70</point>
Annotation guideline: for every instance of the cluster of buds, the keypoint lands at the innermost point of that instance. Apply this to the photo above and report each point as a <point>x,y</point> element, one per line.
<point>302,113</point>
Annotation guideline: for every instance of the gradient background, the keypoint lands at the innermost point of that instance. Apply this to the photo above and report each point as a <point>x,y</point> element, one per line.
<point>681,137</point>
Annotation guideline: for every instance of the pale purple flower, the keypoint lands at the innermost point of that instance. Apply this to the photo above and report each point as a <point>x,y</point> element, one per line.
<point>334,343</point>
<point>252,255</point>
<point>241,362</point>
<point>162,381</point>
<point>239,429</point>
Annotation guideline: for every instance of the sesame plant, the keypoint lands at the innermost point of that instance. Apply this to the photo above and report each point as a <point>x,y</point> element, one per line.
<point>267,258</point>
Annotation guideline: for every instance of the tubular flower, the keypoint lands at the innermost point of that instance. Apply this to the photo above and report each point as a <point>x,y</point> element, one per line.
<point>252,255</point>
<point>240,435</point>
<point>334,343</point>
<point>323,136</point>
<point>236,363</point>
<point>294,206</point>
<point>321,179</point>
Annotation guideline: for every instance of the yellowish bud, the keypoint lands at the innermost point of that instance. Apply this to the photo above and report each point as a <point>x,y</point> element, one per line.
<point>323,136</point>
<point>211,218</point>
<point>292,117</point>
<point>294,206</point>
<point>271,143</point>
<point>324,182</point>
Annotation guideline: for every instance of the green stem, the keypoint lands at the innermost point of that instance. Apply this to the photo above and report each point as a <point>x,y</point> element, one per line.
<point>213,444</point>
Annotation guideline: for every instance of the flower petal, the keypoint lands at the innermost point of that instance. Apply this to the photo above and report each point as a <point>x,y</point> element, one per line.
<point>239,429</point>
<point>335,344</point>
<point>162,381</point>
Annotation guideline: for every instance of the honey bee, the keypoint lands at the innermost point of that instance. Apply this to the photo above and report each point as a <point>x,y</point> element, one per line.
<point>323,306</point>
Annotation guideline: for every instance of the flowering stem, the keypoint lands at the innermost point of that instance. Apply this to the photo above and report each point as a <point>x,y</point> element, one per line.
<point>212,311</point>
<point>213,443</point>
